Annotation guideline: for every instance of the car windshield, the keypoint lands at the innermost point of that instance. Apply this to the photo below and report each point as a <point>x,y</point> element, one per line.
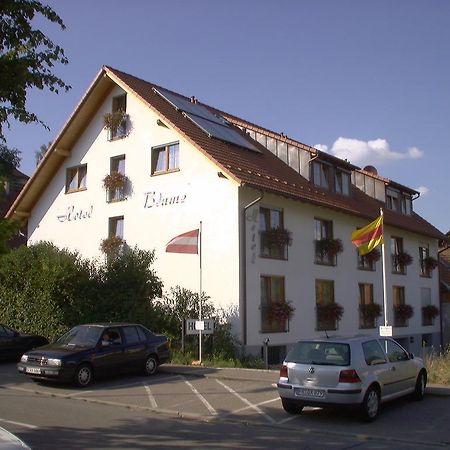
<point>83,335</point>
<point>320,353</point>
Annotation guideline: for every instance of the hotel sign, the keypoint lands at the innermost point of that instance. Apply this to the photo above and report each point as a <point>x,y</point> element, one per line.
<point>193,326</point>
<point>155,199</point>
<point>72,214</point>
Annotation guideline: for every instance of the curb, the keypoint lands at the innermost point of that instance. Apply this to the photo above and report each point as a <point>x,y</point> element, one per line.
<point>440,390</point>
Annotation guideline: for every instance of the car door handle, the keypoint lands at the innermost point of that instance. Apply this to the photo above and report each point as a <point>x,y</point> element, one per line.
<point>393,369</point>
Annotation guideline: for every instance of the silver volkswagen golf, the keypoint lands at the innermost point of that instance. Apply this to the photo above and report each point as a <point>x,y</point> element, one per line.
<point>362,371</point>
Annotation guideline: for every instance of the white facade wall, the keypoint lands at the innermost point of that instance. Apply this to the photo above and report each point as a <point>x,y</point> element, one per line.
<point>79,221</point>
<point>300,273</point>
<point>196,190</point>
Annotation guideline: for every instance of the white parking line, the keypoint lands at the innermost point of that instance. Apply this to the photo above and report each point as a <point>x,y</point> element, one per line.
<point>20,424</point>
<point>201,398</point>
<point>78,393</point>
<point>243,399</point>
<point>293,417</point>
<point>153,403</point>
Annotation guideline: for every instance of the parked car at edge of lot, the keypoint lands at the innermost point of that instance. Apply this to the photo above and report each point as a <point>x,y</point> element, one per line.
<point>14,343</point>
<point>9,441</point>
<point>360,371</point>
<point>90,351</point>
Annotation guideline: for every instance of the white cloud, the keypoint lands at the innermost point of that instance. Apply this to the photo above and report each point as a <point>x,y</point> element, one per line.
<point>423,190</point>
<point>362,153</point>
<point>415,153</point>
<point>322,147</point>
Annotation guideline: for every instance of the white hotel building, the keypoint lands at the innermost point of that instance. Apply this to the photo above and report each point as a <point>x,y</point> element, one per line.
<point>187,163</point>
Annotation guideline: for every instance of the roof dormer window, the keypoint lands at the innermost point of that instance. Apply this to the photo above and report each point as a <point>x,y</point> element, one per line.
<point>398,201</point>
<point>331,178</point>
<point>322,175</point>
<point>342,182</point>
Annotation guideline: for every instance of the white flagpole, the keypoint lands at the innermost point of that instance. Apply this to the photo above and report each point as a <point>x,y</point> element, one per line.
<point>383,266</point>
<point>200,297</point>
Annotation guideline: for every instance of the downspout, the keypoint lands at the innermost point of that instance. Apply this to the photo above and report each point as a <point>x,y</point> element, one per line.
<point>244,267</point>
<point>441,322</point>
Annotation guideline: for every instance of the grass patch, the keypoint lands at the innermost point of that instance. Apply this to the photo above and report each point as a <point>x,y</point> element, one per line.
<point>249,362</point>
<point>438,367</point>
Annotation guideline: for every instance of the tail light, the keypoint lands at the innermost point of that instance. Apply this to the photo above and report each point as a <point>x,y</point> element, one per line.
<point>284,371</point>
<point>349,376</point>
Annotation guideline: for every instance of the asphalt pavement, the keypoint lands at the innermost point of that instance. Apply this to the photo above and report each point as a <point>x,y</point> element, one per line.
<point>269,375</point>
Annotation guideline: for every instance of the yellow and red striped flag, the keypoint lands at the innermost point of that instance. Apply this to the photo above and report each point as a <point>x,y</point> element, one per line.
<point>367,238</point>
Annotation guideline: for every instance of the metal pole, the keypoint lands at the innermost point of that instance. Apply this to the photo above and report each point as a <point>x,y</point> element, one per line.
<point>200,297</point>
<point>383,266</point>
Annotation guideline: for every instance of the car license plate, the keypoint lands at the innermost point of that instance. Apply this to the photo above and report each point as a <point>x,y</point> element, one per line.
<point>33,370</point>
<point>308,392</point>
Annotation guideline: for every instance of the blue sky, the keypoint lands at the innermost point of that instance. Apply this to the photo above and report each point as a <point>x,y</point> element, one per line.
<point>368,81</point>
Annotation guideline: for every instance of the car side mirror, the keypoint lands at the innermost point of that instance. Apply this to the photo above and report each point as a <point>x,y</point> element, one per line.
<point>411,355</point>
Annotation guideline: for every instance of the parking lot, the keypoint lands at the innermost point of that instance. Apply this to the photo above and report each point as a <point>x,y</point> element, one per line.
<point>244,396</point>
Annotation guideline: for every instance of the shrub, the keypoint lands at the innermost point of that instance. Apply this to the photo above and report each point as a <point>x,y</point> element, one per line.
<point>45,290</point>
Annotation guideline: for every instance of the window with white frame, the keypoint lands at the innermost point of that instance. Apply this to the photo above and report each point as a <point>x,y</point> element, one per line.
<point>324,298</point>
<point>165,158</point>
<point>323,241</point>
<point>342,182</point>
<point>272,294</point>
<point>322,174</point>
<point>396,252</point>
<point>118,126</point>
<point>117,174</point>
<point>76,178</point>
<point>271,227</point>
<point>116,227</point>
<point>424,253</point>
<point>367,312</point>
<point>398,201</point>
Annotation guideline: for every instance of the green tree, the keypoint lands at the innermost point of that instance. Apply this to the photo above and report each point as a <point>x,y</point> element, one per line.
<point>27,57</point>
<point>180,304</point>
<point>39,154</point>
<point>9,160</point>
<point>46,290</point>
<point>129,284</point>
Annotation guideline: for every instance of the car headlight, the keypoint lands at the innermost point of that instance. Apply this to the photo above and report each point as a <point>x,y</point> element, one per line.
<point>54,362</point>
<point>24,358</point>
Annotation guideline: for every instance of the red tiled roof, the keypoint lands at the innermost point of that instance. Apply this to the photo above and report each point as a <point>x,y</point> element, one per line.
<point>266,171</point>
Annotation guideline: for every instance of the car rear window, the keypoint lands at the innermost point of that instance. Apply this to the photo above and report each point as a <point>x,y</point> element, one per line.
<point>131,335</point>
<point>320,353</point>
<point>373,354</point>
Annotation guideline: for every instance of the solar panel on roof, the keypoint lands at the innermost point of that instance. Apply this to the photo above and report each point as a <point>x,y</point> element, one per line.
<point>213,125</point>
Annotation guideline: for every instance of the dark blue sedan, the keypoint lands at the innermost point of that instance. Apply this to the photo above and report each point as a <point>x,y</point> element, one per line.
<point>96,350</point>
<point>14,343</point>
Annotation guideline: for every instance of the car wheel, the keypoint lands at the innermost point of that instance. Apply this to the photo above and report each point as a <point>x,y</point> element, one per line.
<point>421,383</point>
<point>370,404</point>
<point>151,365</point>
<point>291,406</point>
<point>84,375</point>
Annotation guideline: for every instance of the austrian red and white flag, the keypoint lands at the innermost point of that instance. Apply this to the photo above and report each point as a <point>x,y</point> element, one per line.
<point>184,243</point>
